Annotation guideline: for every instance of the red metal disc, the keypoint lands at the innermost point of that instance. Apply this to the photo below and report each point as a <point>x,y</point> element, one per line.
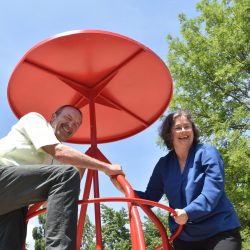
<point>129,84</point>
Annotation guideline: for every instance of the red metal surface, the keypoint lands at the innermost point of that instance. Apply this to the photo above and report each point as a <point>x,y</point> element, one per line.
<point>137,236</point>
<point>159,225</point>
<point>121,87</point>
<point>128,83</point>
<point>136,201</point>
<point>83,211</point>
<point>98,226</point>
<point>124,199</point>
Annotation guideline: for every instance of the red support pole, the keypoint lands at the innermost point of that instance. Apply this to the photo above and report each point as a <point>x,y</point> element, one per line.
<point>89,85</point>
<point>137,236</point>
<point>140,202</point>
<point>93,132</point>
<point>158,224</point>
<point>80,226</point>
<point>128,200</point>
<point>97,213</point>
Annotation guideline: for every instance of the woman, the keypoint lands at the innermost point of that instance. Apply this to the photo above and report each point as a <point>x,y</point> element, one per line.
<point>191,175</point>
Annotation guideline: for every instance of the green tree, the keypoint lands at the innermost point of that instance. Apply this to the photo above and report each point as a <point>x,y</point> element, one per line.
<point>210,65</point>
<point>115,229</point>
<point>151,233</point>
<point>88,238</point>
<point>38,233</point>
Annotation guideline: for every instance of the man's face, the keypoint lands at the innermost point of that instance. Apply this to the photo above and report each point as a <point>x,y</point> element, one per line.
<point>66,123</point>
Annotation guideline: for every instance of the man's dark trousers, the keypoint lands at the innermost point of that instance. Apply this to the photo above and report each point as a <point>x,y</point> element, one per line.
<point>24,185</point>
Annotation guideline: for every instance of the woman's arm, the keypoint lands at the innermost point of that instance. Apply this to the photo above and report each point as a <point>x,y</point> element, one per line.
<point>154,190</point>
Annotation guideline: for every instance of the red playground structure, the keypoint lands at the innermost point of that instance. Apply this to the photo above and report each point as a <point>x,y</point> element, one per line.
<point>121,87</point>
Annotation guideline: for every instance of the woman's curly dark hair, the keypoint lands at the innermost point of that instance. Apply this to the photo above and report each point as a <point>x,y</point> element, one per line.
<point>165,130</point>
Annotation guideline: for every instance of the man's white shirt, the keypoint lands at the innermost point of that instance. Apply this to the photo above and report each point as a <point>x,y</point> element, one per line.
<point>23,144</point>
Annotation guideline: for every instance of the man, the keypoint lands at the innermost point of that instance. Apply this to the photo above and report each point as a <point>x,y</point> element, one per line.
<point>27,176</point>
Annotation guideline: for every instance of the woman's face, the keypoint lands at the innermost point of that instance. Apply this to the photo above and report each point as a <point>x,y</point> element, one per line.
<point>182,133</point>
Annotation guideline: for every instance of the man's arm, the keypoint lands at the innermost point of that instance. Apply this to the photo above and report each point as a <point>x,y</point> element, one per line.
<point>69,155</point>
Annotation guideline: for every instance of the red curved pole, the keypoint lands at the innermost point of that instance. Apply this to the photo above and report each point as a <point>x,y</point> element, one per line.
<point>137,235</point>
<point>124,199</point>
<point>97,213</point>
<point>137,201</point>
<point>159,225</point>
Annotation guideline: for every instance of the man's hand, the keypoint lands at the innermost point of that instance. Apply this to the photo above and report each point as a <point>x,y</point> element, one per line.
<point>181,217</point>
<point>113,169</point>
<point>116,184</point>
<point>69,155</point>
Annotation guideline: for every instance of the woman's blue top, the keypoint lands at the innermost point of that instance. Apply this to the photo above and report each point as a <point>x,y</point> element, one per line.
<point>199,190</point>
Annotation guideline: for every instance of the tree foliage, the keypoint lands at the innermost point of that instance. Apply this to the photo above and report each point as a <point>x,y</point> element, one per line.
<point>88,238</point>
<point>38,233</point>
<point>115,229</point>
<point>151,233</point>
<point>210,65</point>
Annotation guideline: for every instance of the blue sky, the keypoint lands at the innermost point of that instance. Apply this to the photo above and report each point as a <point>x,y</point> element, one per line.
<point>26,23</point>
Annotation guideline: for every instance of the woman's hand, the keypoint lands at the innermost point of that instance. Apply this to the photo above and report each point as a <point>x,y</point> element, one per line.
<point>181,217</point>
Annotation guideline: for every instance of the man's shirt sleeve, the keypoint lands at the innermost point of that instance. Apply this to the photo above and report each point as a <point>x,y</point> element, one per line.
<point>38,130</point>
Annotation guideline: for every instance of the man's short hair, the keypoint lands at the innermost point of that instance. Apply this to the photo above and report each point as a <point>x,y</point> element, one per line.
<point>60,109</point>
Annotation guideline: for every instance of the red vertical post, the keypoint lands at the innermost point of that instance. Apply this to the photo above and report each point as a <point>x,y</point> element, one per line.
<point>97,213</point>
<point>80,226</point>
<point>93,132</point>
